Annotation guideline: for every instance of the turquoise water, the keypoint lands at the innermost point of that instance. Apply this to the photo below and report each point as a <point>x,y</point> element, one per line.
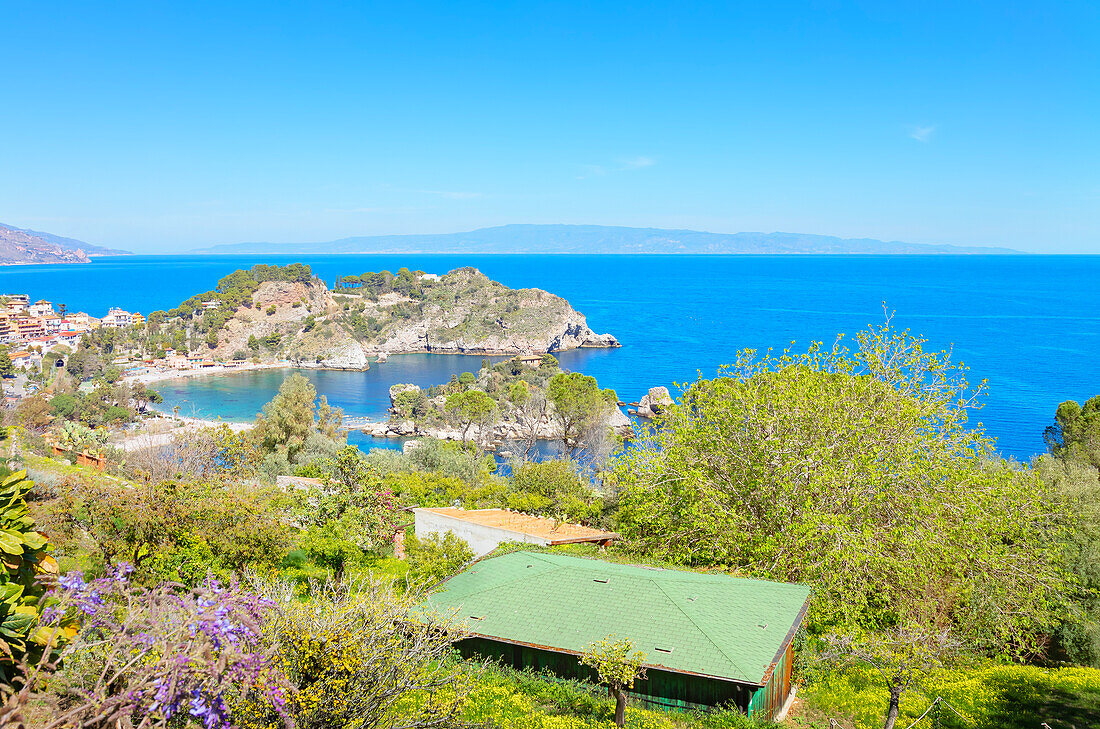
<point>1028,324</point>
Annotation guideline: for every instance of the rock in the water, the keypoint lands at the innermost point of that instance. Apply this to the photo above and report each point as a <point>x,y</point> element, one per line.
<point>654,402</point>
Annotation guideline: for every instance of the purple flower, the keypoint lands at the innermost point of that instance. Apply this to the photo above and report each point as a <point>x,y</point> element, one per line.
<point>72,582</point>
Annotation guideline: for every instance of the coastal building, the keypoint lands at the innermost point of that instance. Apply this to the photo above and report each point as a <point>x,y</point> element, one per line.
<point>210,304</point>
<point>25,327</point>
<point>80,322</point>
<point>15,303</point>
<point>137,319</point>
<point>533,361</point>
<point>69,337</point>
<point>485,529</point>
<point>117,318</point>
<point>708,639</point>
<point>41,308</point>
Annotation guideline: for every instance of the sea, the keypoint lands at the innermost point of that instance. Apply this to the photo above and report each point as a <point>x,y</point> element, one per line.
<point>1029,325</point>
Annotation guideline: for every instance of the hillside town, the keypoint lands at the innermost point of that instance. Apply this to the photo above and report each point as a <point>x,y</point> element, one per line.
<point>29,332</point>
<point>32,330</point>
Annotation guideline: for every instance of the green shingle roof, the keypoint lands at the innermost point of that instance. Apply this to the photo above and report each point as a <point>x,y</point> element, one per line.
<point>714,625</point>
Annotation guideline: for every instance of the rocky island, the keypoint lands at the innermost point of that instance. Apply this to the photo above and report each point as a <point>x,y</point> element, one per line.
<point>519,401</point>
<point>285,313</point>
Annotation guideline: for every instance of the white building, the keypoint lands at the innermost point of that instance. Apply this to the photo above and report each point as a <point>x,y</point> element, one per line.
<point>41,308</point>
<point>117,318</point>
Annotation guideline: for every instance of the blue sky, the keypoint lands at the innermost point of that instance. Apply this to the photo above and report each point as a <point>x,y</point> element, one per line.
<point>161,127</point>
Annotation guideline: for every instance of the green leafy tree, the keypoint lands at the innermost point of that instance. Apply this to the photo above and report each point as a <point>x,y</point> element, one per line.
<point>1077,485</point>
<point>617,666</point>
<point>579,406</point>
<point>552,488</point>
<point>353,514</point>
<point>853,471</point>
<point>292,419</point>
<point>7,369</point>
<point>1075,435</point>
<point>436,557</point>
<point>471,407</point>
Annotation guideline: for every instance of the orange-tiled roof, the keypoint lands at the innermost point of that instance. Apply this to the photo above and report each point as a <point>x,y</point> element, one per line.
<point>558,532</point>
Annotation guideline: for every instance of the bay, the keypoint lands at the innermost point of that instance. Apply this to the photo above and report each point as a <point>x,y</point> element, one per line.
<point>1030,325</point>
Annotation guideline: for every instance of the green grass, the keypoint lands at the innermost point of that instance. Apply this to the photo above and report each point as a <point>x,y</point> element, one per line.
<point>989,697</point>
<point>531,700</point>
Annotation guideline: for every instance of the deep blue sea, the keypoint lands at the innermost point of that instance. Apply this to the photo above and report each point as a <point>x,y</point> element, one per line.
<point>1030,325</point>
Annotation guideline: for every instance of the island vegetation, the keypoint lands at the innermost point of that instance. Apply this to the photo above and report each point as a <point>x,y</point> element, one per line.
<point>284,314</point>
<point>947,582</point>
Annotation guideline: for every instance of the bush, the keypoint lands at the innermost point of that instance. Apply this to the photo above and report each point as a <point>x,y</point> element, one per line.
<point>435,558</point>
<point>555,489</point>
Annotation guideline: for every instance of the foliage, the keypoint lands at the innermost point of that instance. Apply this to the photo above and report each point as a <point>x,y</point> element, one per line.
<point>6,367</point>
<point>435,558</point>
<point>354,657</point>
<point>24,553</point>
<point>552,488</point>
<point>177,531</point>
<point>617,665</point>
<point>150,655</point>
<point>986,697</point>
<point>353,513</point>
<point>1077,485</point>
<point>579,406</point>
<point>1075,435</point>
<point>295,427</point>
<point>852,471</point>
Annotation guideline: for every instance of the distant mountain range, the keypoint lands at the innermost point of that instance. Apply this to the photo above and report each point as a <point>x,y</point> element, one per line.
<point>21,246</point>
<point>597,239</point>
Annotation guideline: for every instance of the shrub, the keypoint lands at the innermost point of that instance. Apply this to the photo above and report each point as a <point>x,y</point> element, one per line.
<point>436,557</point>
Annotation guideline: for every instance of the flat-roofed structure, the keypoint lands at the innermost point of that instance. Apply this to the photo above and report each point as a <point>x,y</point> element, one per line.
<point>484,529</point>
<point>708,639</point>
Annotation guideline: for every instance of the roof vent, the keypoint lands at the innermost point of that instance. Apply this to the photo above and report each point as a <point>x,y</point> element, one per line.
<point>662,650</point>
<point>604,580</point>
<point>762,626</point>
<point>477,617</point>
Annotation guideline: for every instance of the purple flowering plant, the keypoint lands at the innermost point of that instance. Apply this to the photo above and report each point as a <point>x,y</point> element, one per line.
<point>115,651</point>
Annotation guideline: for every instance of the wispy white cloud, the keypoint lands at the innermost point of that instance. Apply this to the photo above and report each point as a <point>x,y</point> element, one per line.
<point>922,133</point>
<point>636,163</point>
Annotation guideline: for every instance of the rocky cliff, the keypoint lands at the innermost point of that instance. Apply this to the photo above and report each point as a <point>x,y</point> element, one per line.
<point>460,312</point>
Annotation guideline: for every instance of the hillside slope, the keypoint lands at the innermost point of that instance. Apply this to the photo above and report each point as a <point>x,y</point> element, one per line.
<point>21,246</point>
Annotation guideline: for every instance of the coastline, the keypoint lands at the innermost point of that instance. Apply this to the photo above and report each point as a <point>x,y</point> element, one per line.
<point>174,374</point>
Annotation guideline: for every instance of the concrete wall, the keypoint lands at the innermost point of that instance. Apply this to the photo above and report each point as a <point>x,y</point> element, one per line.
<point>482,539</point>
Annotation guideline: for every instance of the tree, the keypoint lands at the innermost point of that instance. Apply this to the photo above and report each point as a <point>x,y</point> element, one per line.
<point>353,513</point>
<point>471,407</point>
<point>853,471</point>
<point>901,656</point>
<point>1075,435</point>
<point>618,666</point>
<point>579,405</point>
<point>1077,485</point>
<point>6,367</point>
<point>287,422</point>
<point>436,557</point>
